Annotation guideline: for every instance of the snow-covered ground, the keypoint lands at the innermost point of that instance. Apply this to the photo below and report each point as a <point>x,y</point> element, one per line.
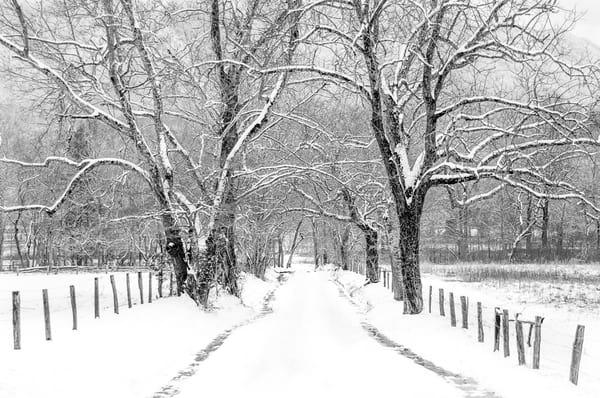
<point>127,355</point>
<point>312,345</point>
<point>561,318</point>
<point>457,349</point>
<point>316,341</point>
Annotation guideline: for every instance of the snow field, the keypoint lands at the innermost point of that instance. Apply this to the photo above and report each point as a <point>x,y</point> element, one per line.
<point>457,349</point>
<point>127,355</point>
<point>311,345</point>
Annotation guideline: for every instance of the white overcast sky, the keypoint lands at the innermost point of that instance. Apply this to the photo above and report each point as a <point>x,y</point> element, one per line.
<point>588,27</point>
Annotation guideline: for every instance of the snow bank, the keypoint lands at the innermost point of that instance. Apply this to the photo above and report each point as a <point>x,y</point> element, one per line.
<point>128,355</point>
<point>457,349</point>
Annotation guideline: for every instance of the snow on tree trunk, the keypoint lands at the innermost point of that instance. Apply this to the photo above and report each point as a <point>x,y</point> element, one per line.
<point>397,286</point>
<point>409,261</point>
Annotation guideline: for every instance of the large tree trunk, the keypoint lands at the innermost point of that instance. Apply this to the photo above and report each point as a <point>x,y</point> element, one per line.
<point>176,249</point>
<point>372,255</point>
<point>409,260</point>
<point>224,229</point>
<point>397,286</point>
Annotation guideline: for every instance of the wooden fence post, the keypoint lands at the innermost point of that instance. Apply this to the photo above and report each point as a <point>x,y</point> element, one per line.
<point>170,283</point>
<point>160,283</point>
<point>537,341</point>
<point>576,355</point>
<point>46,314</point>
<point>480,336</point>
<point>149,286</point>
<point>128,290</point>
<point>141,287</point>
<point>16,312</point>
<point>430,296</point>
<point>452,310</point>
<point>73,306</point>
<point>441,300</point>
<point>520,341</point>
<point>96,299</point>
<point>465,312</point>
<point>115,297</point>
<point>505,333</point>
<point>496,329</point>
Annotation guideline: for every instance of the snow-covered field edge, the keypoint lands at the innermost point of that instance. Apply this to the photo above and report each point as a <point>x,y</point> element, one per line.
<point>132,354</point>
<point>457,349</point>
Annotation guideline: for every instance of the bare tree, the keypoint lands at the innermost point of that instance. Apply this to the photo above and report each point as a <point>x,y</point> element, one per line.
<point>427,70</point>
<point>133,67</point>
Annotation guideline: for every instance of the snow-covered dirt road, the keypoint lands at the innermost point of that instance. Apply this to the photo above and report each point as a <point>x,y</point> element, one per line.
<point>311,345</point>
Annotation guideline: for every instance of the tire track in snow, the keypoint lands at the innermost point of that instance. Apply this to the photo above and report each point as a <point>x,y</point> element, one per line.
<point>468,385</point>
<point>171,389</point>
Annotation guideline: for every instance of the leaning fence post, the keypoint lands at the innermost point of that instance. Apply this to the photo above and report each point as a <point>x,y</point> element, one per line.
<point>576,355</point>
<point>430,296</point>
<point>520,341</point>
<point>452,310</point>
<point>73,306</point>
<point>480,336</point>
<point>16,311</point>
<point>537,341</point>
<point>496,329</point>
<point>441,300</point>
<point>46,314</point>
<point>115,297</point>
<point>505,333</point>
<point>96,299</point>
<point>141,287</point>
<point>149,286</point>
<point>128,290</point>
<point>465,312</point>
